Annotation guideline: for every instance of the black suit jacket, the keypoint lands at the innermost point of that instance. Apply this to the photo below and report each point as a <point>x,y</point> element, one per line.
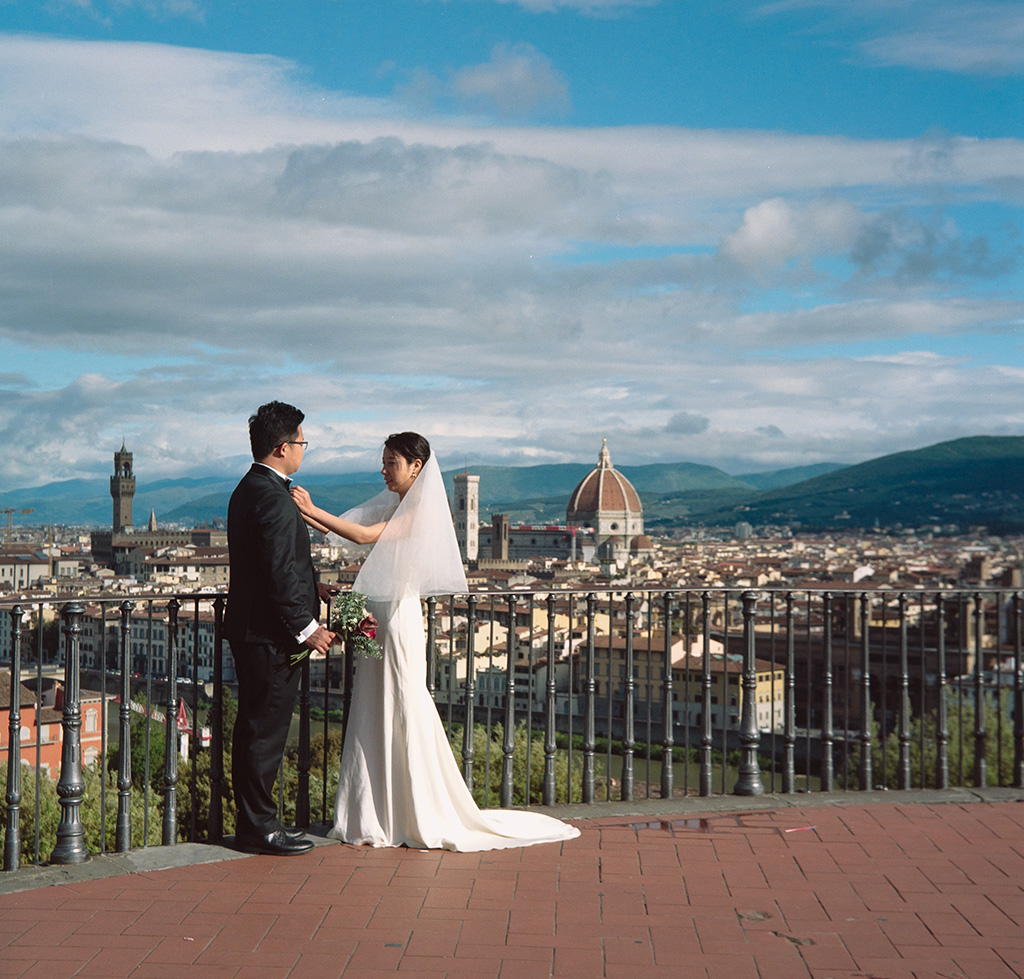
<point>272,594</point>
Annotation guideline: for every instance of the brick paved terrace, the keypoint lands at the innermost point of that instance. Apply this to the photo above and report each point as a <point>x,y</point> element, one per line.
<point>928,885</point>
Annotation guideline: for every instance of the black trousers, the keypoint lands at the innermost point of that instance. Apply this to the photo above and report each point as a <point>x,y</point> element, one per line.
<point>267,689</point>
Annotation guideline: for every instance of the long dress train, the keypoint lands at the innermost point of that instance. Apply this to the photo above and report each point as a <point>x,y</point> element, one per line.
<point>399,783</point>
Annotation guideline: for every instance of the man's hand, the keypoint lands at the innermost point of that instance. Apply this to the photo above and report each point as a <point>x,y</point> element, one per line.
<point>321,640</point>
<point>327,592</point>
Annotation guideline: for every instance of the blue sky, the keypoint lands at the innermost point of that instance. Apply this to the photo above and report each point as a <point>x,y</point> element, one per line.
<point>751,235</point>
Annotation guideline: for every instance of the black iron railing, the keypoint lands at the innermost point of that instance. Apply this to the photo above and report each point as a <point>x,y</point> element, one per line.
<point>563,696</point>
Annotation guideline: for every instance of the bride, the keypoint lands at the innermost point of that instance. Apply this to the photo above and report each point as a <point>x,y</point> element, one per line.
<point>399,783</point>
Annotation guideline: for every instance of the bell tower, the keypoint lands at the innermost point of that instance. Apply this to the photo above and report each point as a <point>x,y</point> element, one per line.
<point>122,489</point>
<point>467,505</point>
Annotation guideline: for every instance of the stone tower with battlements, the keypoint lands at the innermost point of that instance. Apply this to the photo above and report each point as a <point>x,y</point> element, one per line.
<point>122,489</point>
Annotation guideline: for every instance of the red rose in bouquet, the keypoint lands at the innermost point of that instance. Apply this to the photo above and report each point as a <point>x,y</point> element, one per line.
<point>367,627</point>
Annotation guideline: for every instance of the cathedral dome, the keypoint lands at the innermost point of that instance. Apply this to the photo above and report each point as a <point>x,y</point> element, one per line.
<point>605,500</point>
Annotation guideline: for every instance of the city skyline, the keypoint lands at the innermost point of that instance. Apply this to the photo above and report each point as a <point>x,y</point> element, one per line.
<point>748,235</point>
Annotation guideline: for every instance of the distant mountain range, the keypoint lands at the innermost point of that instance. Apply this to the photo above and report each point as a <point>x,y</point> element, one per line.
<point>968,482</point>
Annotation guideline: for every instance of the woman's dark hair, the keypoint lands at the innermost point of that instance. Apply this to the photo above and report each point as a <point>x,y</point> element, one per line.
<point>409,445</point>
<point>273,423</point>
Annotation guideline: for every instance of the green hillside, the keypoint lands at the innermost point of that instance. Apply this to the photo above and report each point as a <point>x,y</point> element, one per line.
<point>969,482</point>
<point>787,477</point>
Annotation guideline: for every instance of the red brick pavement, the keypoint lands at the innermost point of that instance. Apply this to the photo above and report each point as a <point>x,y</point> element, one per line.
<point>880,891</point>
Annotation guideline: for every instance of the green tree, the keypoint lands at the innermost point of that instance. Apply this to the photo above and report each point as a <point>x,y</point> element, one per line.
<point>923,747</point>
<point>488,754</point>
<point>49,813</point>
<point>99,812</point>
<point>157,740</point>
<point>319,747</point>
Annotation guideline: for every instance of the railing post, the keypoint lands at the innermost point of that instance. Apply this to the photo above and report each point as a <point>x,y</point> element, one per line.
<point>866,774</point>
<point>169,829</point>
<point>1018,699</point>
<point>789,724</point>
<point>827,732</point>
<point>123,830</point>
<point>41,609</point>
<point>470,720</point>
<point>70,846</point>
<point>103,729</point>
<point>980,733</point>
<point>628,739</point>
<point>146,773</point>
<point>302,790</point>
<point>432,643</point>
<point>196,733</point>
<point>706,739</point>
<point>749,781</point>
<point>942,712</point>
<point>508,741</point>
<point>589,737</point>
<point>667,720</point>
<point>12,832</point>
<point>550,743</point>
<point>904,707</point>
<point>325,724</point>
<point>215,815</point>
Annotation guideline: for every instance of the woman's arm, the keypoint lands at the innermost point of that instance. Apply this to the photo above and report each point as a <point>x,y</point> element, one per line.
<point>315,524</point>
<point>328,523</point>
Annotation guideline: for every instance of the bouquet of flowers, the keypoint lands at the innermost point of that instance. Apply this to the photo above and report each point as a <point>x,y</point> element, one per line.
<point>350,620</point>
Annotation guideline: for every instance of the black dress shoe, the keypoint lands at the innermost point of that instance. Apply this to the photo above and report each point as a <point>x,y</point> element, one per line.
<point>278,844</point>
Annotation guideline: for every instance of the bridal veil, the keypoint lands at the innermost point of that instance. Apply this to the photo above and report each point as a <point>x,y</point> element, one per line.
<point>417,554</point>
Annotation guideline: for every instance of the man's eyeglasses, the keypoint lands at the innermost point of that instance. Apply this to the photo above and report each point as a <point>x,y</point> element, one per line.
<point>290,442</point>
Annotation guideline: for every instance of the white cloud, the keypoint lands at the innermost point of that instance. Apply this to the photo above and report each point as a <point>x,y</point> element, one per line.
<point>185,234</point>
<point>974,37</point>
<point>778,235</point>
<point>687,423</point>
<point>517,83</point>
<point>968,38</point>
<point>866,320</point>
<point>775,231</point>
<point>163,98</point>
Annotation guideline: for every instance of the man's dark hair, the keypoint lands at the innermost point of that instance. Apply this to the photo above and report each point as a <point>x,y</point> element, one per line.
<point>273,423</point>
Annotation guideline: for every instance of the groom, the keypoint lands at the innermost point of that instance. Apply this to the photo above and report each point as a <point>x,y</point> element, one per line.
<point>272,613</point>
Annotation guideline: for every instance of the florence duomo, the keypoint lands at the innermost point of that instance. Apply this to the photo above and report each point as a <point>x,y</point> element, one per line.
<point>604,522</point>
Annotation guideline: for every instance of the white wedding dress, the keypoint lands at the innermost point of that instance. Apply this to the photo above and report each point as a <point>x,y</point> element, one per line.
<point>399,783</point>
